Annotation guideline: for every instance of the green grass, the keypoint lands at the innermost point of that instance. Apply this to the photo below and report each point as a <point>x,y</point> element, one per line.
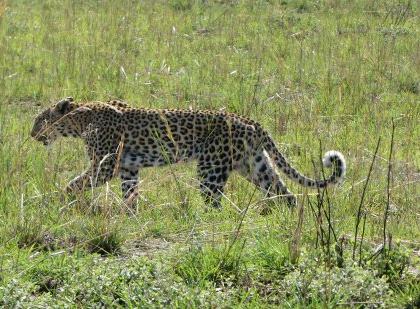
<point>316,74</point>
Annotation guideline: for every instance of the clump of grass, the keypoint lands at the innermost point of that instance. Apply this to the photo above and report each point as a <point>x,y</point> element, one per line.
<point>273,255</point>
<point>181,5</point>
<point>103,237</point>
<point>205,264</point>
<point>409,85</point>
<point>29,233</point>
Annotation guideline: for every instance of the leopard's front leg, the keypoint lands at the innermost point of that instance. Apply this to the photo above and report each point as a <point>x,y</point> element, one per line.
<point>97,174</point>
<point>129,181</point>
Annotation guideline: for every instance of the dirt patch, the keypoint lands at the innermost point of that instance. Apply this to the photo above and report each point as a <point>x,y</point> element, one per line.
<point>149,247</point>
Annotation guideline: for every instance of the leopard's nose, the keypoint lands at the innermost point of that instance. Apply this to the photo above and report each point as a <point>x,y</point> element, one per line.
<point>33,133</point>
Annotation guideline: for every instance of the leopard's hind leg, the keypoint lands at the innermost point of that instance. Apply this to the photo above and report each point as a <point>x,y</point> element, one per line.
<point>259,169</point>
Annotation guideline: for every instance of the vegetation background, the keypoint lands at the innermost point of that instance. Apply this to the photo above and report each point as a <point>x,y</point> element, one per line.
<point>318,75</point>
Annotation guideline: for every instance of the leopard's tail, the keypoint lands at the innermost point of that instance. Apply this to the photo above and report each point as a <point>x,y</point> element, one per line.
<point>332,159</point>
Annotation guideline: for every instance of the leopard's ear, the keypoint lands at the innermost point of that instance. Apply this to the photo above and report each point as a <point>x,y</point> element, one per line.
<point>65,105</point>
<point>80,109</point>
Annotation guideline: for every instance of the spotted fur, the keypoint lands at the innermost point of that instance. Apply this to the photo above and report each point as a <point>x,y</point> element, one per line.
<point>120,140</point>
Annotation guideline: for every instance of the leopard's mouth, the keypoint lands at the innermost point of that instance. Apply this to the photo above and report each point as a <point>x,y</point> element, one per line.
<point>44,140</point>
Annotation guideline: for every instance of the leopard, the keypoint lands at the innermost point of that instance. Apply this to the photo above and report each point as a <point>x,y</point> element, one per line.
<point>121,140</point>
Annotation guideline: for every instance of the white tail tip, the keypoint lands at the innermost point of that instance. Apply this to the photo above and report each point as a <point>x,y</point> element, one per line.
<point>335,158</point>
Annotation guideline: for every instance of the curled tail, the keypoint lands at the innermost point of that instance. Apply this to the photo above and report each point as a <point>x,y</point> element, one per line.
<point>332,159</point>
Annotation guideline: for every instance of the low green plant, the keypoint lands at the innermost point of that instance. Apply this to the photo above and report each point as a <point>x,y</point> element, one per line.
<point>392,264</point>
<point>312,282</point>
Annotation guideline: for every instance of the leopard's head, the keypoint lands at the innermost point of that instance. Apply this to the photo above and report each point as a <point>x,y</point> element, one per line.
<point>47,123</point>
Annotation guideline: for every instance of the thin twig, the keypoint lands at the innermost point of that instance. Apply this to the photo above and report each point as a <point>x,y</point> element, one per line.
<point>296,237</point>
<point>361,240</point>
<point>359,211</point>
<point>388,187</point>
<point>328,216</point>
<point>317,225</point>
<point>324,191</point>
